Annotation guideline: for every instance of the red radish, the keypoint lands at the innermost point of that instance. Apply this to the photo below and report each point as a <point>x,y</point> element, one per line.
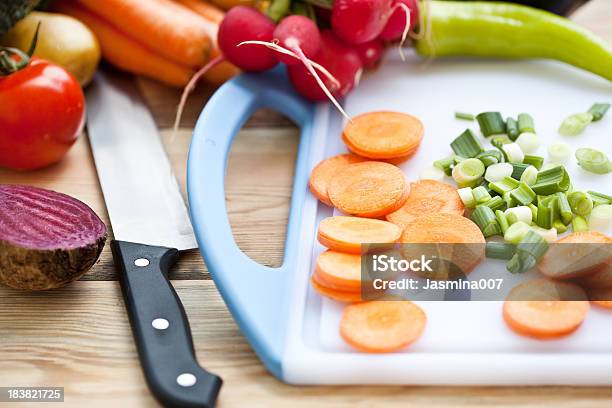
<point>359,21</point>
<point>397,22</point>
<point>297,32</point>
<point>370,52</point>
<point>341,60</point>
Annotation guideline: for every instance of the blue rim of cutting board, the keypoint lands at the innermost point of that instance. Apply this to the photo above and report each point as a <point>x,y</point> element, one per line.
<point>257,296</point>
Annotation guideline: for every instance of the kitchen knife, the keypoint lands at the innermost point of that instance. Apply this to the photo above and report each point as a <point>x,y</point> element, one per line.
<point>151,225</point>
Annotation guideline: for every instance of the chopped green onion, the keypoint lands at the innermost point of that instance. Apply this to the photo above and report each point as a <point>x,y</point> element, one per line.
<point>579,224</point>
<point>535,161</point>
<point>491,123</point>
<point>468,172</point>
<point>485,218</point>
<point>432,173</point>
<point>446,165</point>
<point>517,170</point>
<point>528,252</point>
<point>565,210</point>
<point>552,180</point>
<point>525,123</point>
<point>530,175</point>
<point>458,159</point>
<point>549,235</point>
<point>529,142</point>
<point>464,116</point>
<point>575,124</point>
<point>499,250</point>
<point>534,212</point>
<point>599,198</point>
<point>559,152</point>
<point>502,220</point>
<point>481,195</point>
<point>497,172</point>
<point>505,185</point>
<point>512,129</point>
<point>601,218</point>
<point>467,197</point>
<point>598,110</point>
<point>500,140</point>
<point>509,200</point>
<point>513,152</point>
<point>519,214</point>
<point>467,144</point>
<point>523,194</point>
<point>515,232</point>
<point>545,216</point>
<point>593,160</point>
<point>559,226</point>
<point>581,203</point>
<point>490,157</point>
<point>495,203</point>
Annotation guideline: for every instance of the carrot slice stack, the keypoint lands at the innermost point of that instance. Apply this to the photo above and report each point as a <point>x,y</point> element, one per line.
<point>347,234</point>
<point>324,171</point>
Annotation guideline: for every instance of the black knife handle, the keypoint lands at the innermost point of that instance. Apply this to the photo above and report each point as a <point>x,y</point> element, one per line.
<point>160,327</point>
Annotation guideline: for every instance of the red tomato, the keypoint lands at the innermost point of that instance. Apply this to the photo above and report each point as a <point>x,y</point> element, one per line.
<point>42,111</point>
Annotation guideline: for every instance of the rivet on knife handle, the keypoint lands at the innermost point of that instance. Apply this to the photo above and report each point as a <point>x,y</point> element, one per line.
<point>160,327</point>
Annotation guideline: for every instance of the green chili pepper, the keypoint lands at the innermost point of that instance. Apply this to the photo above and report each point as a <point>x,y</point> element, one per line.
<point>511,31</point>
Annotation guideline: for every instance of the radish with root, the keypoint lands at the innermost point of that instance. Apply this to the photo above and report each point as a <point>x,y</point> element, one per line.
<point>360,21</point>
<point>370,52</point>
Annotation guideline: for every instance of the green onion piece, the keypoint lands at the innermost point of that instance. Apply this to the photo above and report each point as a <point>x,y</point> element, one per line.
<point>485,218</point>
<point>545,199</point>
<point>458,159</point>
<point>490,157</point>
<point>545,216</point>
<point>446,165</point>
<point>515,232</point>
<point>559,152</point>
<point>559,226</point>
<point>579,224</point>
<point>553,204</point>
<point>549,235</point>
<point>565,210</point>
<point>468,172</point>
<point>518,169</point>
<point>467,197</point>
<point>467,144</point>
<point>505,185</point>
<point>523,194</point>
<point>513,152</point>
<point>500,140</point>
<point>498,171</point>
<point>581,203</point>
<point>431,173</point>
<point>601,218</point>
<point>593,160</point>
<point>535,161</point>
<point>481,195</point>
<point>491,123</point>
<point>530,175</point>
<point>525,123</point>
<point>528,252</point>
<point>495,203</point>
<point>500,250</point>
<point>534,212</point>
<point>464,116</point>
<point>518,214</point>
<point>552,180</point>
<point>598,110</point>
<point>509,200</point>
<point>529,142</point>
<point>512,129</point>
<point>502,220</point>
<point>599,198</point>
<point>575,124</point>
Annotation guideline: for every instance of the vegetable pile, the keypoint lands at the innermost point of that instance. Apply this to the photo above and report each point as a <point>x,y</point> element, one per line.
<point>47,239</point>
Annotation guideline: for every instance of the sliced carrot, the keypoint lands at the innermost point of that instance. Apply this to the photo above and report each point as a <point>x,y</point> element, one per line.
<point>323,172</point>
<point>603,303</point>
<point>601,278</point>
<point>339,271</point>
<point>346,234</point>
<point>382,326</point>
<point>125,53</point>
<point>368,189</point>
<point>547,315</point>
<point>169,28</point>
<point>341,296</point>
<point>576,255</point>
<point>427,197</point>
<point>383,135</point>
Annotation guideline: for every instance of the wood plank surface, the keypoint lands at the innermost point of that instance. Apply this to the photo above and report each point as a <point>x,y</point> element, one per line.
<point>78,337</point>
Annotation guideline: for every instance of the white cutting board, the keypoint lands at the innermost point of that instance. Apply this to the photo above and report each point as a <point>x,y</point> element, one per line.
<point>464,342</point>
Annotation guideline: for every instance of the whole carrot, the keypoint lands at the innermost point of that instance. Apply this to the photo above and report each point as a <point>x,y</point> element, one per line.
<point>124,52</point>
<point>168,28</point>
<point>205,9</point>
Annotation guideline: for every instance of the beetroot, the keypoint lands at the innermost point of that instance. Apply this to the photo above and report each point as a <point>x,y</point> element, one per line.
<point>342,62</point>
<point>47,239</point>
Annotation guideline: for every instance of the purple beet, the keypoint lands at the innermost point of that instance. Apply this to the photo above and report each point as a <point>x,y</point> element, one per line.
<point>47,239</point>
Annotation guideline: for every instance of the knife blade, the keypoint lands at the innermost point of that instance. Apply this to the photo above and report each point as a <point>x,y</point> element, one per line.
<point>151,224</point>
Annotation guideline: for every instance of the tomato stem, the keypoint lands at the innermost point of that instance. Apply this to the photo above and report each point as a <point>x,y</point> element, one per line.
<point>13,59</point>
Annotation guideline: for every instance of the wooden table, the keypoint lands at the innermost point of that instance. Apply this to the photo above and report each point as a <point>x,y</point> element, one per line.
<point>78,337</point>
